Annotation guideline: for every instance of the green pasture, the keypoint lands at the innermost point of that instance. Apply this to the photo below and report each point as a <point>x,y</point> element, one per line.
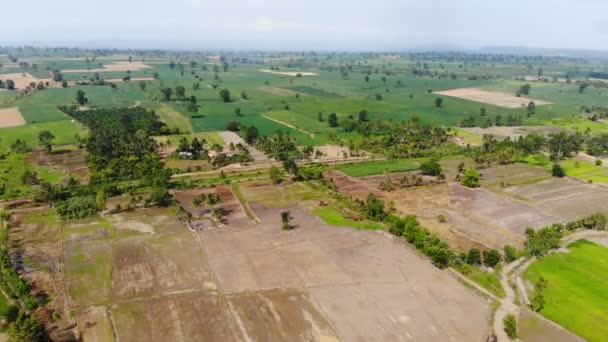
<point>576,297</point>
<point>379,167</point>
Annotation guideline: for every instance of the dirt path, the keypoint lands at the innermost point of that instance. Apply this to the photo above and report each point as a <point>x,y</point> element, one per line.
<point>508,305</point>
<point>290,126</point>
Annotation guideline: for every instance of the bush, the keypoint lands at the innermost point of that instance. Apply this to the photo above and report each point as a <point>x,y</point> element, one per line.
<point>598,162</point>
<point>471,178</point>
<point>510,326</point>
<point>558,171</point>
<point>510,253</point>
<point>491,257</point>
<point>26,328</point>
<point>77,207</point>
<point>474,257</point>
<point>431,168</point>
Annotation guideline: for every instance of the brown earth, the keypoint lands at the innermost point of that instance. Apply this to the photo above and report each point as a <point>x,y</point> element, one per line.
<point>11,117</point>
<point>490,97</point>
<point>23,80</point>
<point>116,66</point>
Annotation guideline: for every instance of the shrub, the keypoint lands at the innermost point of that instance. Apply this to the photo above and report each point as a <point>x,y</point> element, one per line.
<point>474,257</point>
<point>598,162</point>
<point>510,324</point>
<point>558,171</point>
<point>431,168</point>
<point>471,178</point>
<point>77,207</point>
<point>491,257</point>
<point>510,253</point>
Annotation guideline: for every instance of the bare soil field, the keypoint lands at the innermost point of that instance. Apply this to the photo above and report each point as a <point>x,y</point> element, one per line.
<point>565,198</point>
<point>230,205</point>
<point>513,132</point>
<point>68,162</point>
<point>11,117</point>
<point>343,284</point>
<point>289,73</point>
<point>116,66</point>
<point>278,91</point>
<point>116,80</point>
<point>22,80</point>
<point>231,137</point>
<point>494,98</point>
<point>474,217</point>
<point>142,274</point>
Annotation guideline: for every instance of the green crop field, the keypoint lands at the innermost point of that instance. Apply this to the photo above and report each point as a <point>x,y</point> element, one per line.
<point>576,297</point>
<point>379,167</point>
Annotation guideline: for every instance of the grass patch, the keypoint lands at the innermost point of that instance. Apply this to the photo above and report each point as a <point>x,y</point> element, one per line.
<point>468,137</point>
<point>313,91</point>
<point>488,281</point>
<point>585,170</point>
<point>332,216</point>
<point>236,189</point>
<point>576,297</point>
<point>379,167</point>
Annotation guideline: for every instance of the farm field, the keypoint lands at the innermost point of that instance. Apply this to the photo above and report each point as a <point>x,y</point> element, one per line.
<point>575,296</point>
<point>280,196</point>
<point>120,265</point>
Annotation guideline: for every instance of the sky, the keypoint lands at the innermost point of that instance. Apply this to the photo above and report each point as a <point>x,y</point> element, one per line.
<point>372,25</point>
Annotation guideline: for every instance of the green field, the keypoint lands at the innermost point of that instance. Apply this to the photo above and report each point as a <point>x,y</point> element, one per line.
<point>576,297</point>
<point>379,167</point>
<point>332,216</point>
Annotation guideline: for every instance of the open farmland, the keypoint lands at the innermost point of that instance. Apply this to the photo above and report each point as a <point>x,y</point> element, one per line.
<point>143,273</point>
<point>493,98</point>
<point>575,297</point>
<point>11,117</point>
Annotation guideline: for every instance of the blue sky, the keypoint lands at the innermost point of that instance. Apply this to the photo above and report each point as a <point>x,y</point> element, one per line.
<point>307,24</point>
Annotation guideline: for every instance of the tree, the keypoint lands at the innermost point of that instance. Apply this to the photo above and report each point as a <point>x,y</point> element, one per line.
<point>332,119</point>
<point>64,84</point>
<point>160,196</point>
<point>237,112</point>
<point>320,116</point>
<point>474,257</point>
<point>531,108</point>
<point>558,171</point>
<point>491,257</point>
<point>290,166</point>
<point>374,207</point>
<point>142,85</point>
<point>225,95</point>
<point>471,178</point>
<point>285,219</point>
<point>244,95</point>
<point>525,89</point>
<point>45,139</point>
<point>167,92</point>
<point>10,85</point>
<point>537,301</point>
<point>363,116</point>
<point>81,98</point>
<point>510,253</point>
<point>438,102</point>
<point>26,328</point>
<point>482,111</point>
<point>431,168</point>
<point>275,175</point>
<point>510,326</point>
<point>180,92</point>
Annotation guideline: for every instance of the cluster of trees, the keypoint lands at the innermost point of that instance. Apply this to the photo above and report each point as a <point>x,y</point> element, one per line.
<point>119,145</point>
<point>510,120</point>
<point>21,326</point>
<point>8,84</point>
<point>559,145</point>
<point>405,140</point>
<point>540,242</point>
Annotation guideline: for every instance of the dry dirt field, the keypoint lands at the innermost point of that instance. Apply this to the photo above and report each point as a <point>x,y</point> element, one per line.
<point>116,66</point>
<point>22,80</point>
<point>68,162</point>
<point>565,198</point>
<point>483,217</point>
<point>142,275</point>
<point>11,117</point>
<point>490,97</point>
<point>335,284</point>
<point>289,73</point>
<point>115,80</point>
<point>231,137</point>
<point>514,132</point>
